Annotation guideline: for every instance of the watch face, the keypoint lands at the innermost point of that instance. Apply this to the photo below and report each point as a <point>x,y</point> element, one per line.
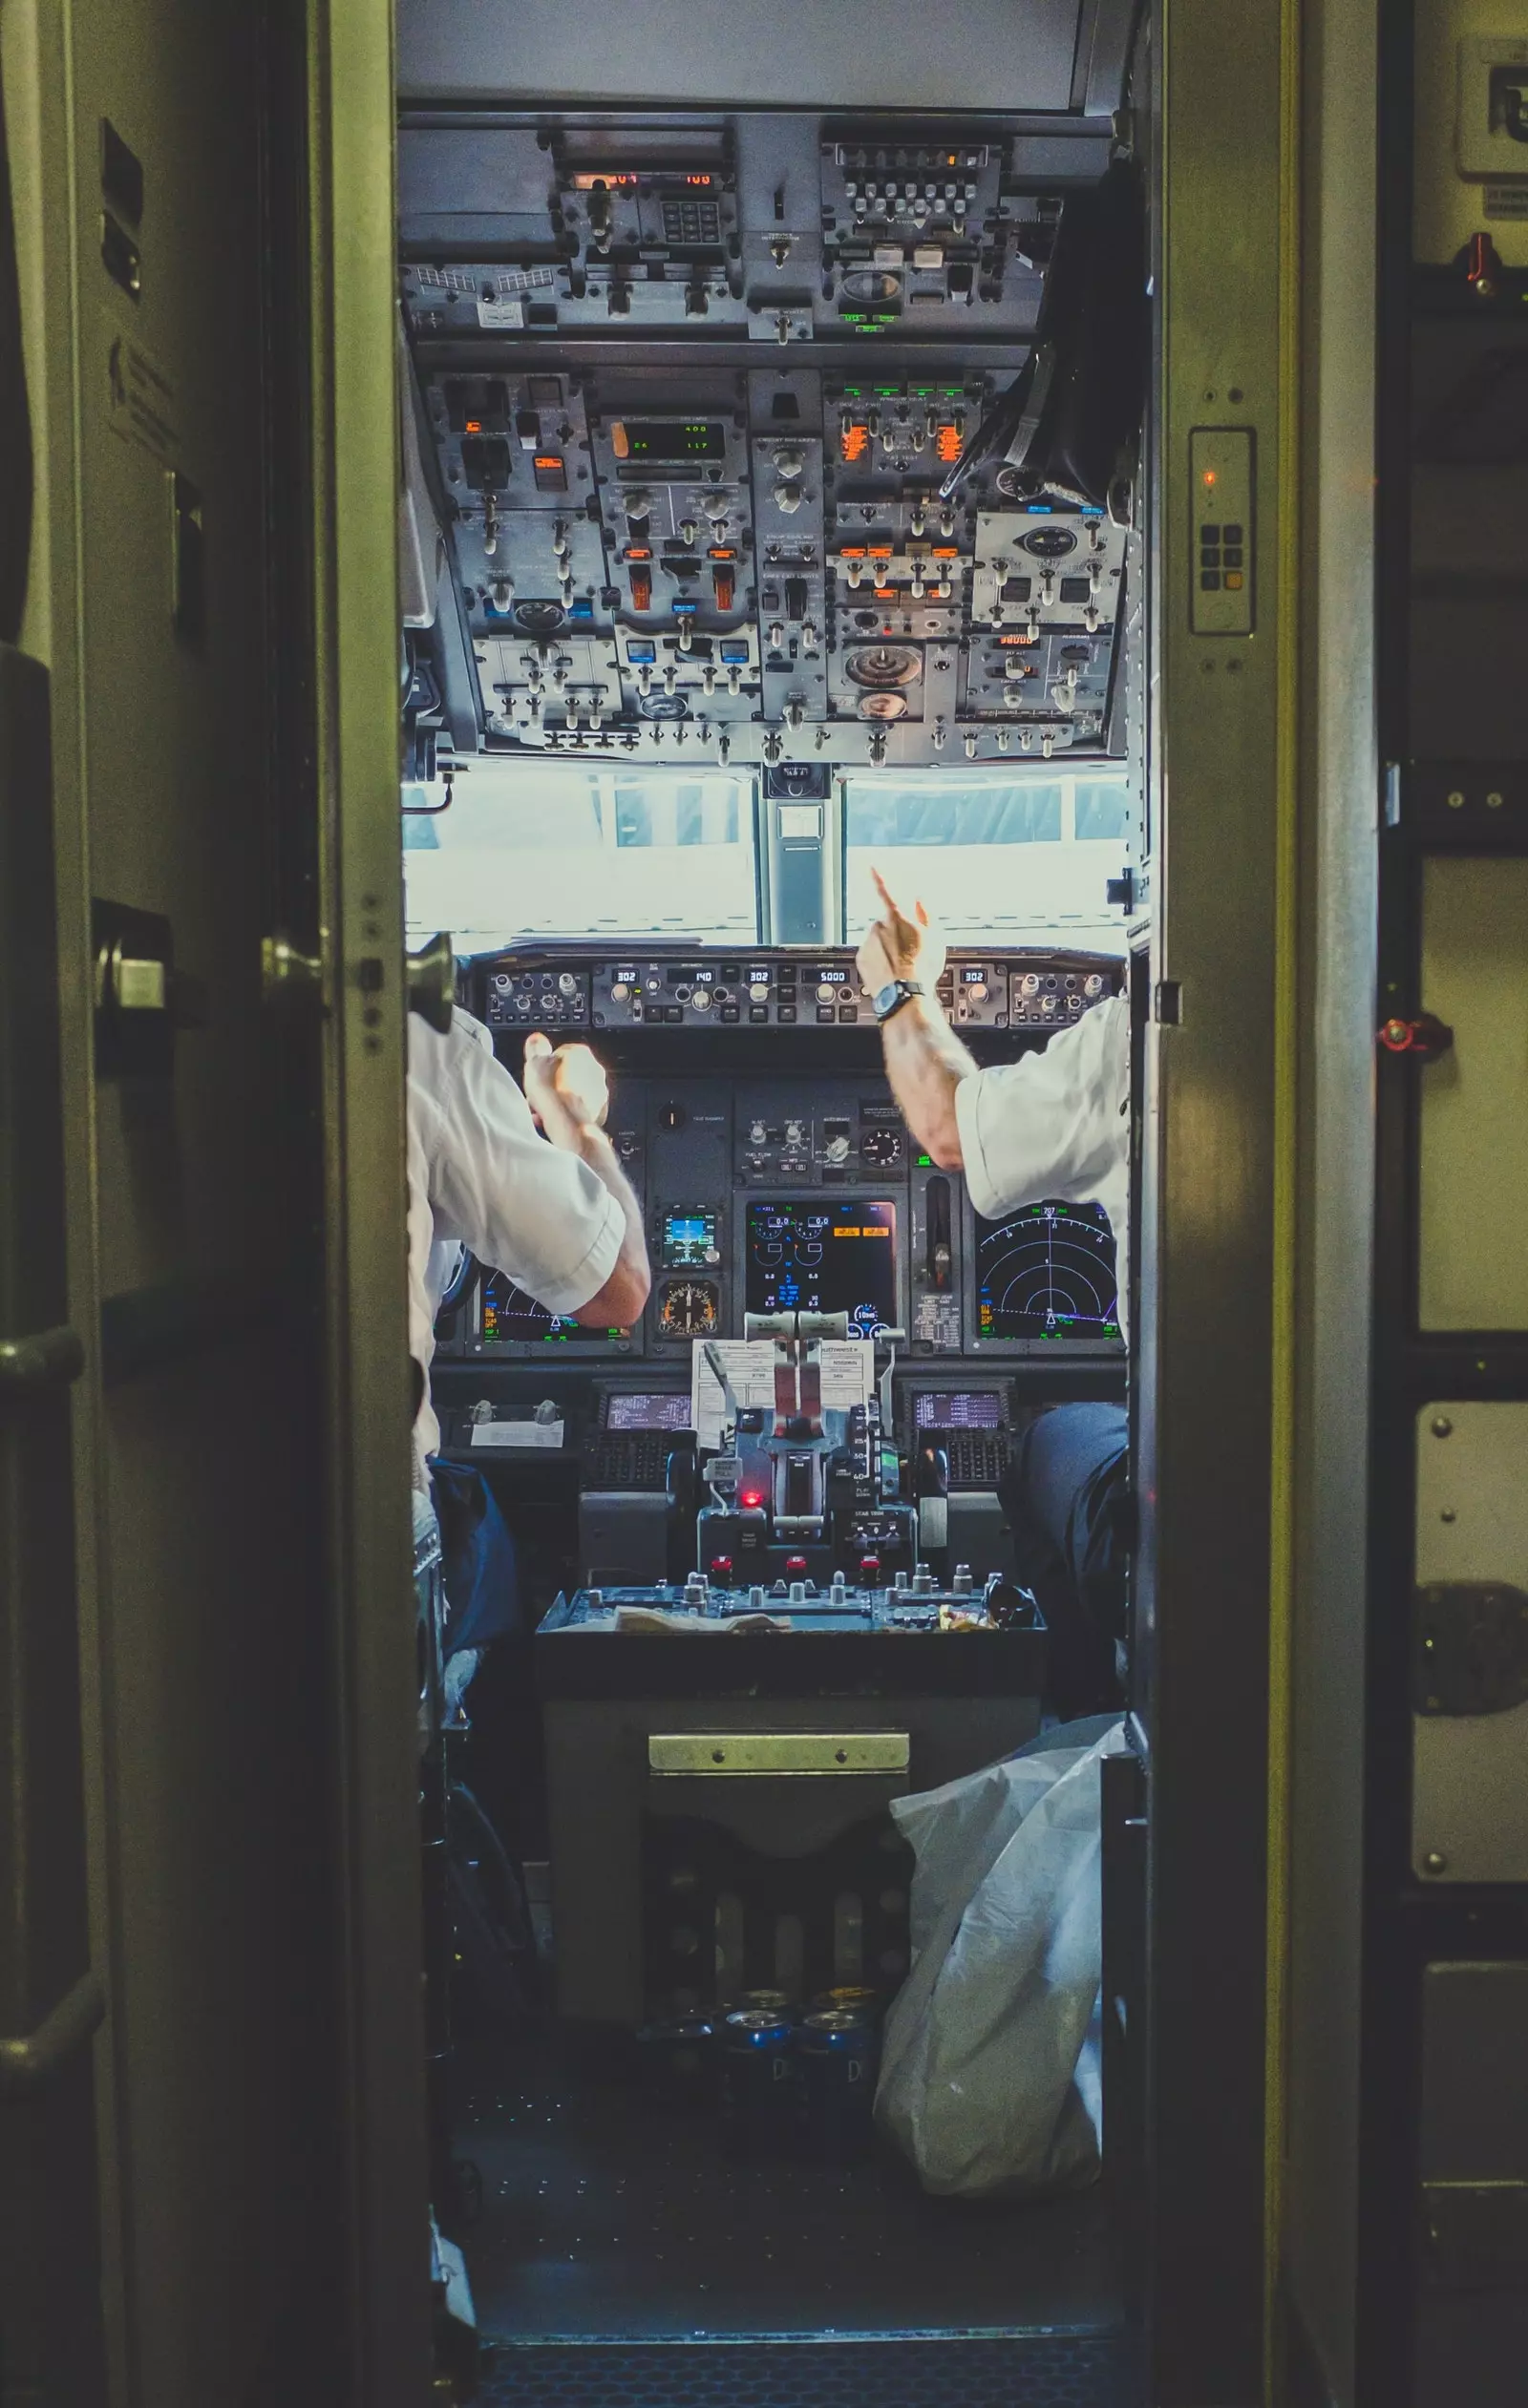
<point>883,1000</point>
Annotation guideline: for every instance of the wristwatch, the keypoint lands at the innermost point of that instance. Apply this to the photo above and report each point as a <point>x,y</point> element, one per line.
<point>891,998</point>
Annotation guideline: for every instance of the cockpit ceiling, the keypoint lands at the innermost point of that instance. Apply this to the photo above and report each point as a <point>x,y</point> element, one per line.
<point>1051,55</point>
<point>748,437</point>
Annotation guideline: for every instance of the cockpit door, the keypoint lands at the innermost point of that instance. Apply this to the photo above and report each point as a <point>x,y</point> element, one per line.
<point>1212,1369</point>
<point>206,1614</point>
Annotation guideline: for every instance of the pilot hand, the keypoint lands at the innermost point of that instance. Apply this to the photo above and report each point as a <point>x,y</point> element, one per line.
<point>566,1090</point>
<point>897,948</point>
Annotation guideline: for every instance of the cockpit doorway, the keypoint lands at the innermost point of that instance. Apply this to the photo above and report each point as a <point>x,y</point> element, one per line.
<point>714,598</point>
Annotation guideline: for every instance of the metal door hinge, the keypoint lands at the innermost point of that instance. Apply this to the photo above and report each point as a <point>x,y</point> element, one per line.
<point>141,999</point>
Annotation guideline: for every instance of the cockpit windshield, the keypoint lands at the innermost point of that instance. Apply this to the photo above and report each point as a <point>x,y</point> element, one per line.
<point>513,849</point>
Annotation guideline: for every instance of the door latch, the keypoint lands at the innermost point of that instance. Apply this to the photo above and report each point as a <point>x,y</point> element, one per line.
<point>431,988</point>
<point>141,999</point>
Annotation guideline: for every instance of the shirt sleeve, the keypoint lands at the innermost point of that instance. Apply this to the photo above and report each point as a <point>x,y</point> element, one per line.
<point>1053,1123</point>
<point>526,1208</point>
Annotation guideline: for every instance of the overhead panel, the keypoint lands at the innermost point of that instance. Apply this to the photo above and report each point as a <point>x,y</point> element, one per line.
<point>756,436</point>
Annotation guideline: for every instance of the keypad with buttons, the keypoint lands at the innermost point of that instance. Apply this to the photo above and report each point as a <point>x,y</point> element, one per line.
<point>1223,558</point>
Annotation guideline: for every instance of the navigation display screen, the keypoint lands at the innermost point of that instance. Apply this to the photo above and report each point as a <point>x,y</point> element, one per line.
<point>1047,1272</point>
<point>506,1314</point>
<point>932,1410</point>
<point>646,1411</point>
<point>824,1258</point>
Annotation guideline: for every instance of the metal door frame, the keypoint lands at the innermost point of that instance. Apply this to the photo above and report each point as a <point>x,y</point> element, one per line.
<point>1215,1365</point>
<point>352,115</point>
<point>1216,1360</point>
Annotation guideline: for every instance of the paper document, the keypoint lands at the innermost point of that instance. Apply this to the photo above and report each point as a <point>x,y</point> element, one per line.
<point>848,1365</point>
<point>517,1433</point>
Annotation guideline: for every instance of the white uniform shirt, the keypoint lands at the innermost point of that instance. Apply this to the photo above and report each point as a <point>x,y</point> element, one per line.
<point>1055,1124</point>
<point>481,1175</point>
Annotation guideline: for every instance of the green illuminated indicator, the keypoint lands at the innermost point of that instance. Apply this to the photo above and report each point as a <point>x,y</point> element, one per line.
<point>925,1162</point>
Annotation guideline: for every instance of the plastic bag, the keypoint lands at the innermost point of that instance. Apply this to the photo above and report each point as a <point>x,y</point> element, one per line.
<point>979,2067</point>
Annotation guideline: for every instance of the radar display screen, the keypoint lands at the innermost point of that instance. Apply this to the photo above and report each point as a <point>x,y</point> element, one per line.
<point>1047,1275</point>
<point>968,1409</point>
<point>648,1410</point>
<point>507,1315</point>
<point>821,1257</point>
<point>689,1239</point>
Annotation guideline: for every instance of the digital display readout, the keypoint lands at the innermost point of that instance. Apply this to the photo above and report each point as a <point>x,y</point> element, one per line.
<point>507,1315</point>
<point>690,1240</point>
<point>810,1257</point>
<point>671,440</point>
<point>966,1409</point>
<point>1047,1272</point>
<point>646,1410</point>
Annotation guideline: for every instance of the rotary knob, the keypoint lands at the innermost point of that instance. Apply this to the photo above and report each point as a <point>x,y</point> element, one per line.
<point>621,992</point>
<point>794,1133</point>
<point>837,1150</point>
<point>787,499</point>
<point>756,1133</point>
<point>759,991</point>
<point>700,1001</point>
<point>827,994</point>
<point>567,983</point>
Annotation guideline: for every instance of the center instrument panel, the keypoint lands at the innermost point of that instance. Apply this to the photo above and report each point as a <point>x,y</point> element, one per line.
<point>775,1169</point>
<point>732,427</point>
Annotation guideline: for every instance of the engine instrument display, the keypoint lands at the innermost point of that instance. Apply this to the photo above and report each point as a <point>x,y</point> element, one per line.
<point>506,1314</point>
<point>824,1258</point>
<point>963,1409</point>
<point>689,1239</point>
<point>647,1409</point>
<point>1046,1274</point>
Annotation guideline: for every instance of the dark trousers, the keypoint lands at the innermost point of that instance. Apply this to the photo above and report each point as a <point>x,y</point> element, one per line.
<point>1064,1495</point>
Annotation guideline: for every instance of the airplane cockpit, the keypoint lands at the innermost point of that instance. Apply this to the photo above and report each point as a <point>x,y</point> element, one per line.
<point>773,518</point>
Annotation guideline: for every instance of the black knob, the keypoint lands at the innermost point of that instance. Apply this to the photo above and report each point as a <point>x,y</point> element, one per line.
<point>671,1115</point>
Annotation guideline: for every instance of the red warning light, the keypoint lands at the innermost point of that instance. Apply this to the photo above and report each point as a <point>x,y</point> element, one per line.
<point>751,1498</point>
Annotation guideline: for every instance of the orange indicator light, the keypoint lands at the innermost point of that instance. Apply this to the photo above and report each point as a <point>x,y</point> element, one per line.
<point>948,443</point>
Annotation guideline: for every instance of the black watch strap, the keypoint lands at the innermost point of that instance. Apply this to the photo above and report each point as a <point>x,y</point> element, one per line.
<point>902,991</point>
